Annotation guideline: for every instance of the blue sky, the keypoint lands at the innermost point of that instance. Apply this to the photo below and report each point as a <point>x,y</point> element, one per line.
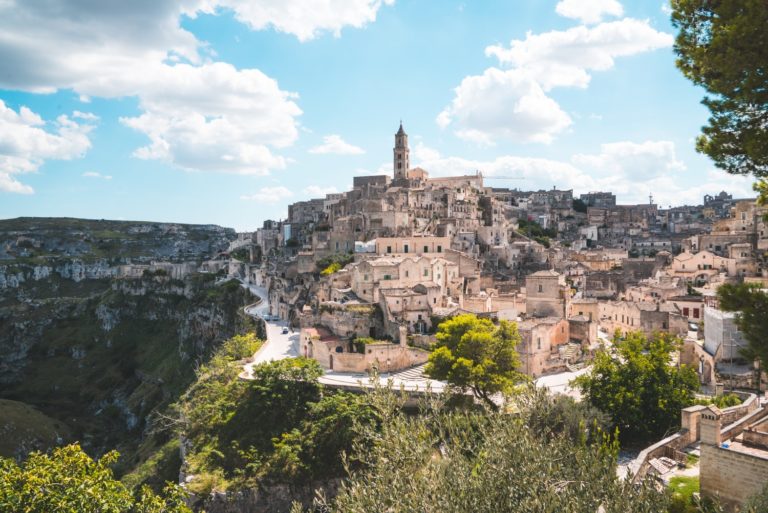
<point>225,111</point>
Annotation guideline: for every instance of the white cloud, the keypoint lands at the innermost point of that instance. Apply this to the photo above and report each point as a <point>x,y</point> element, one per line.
<point>563,58</point>
<point>269,195</point>
<point>87,116</point>
<point>198,114</point>
<point>335,144</point>
<point>317,191</point>
<point>27,141</point>
<point>633,171</point>
<point>666,8</point>
<point>305,19</point>
<point>589,11</point>
<point>503,104</point>
<point>634,161</point>
<point>214,117</point>
<point>96,174</point>
<point>513,103</point>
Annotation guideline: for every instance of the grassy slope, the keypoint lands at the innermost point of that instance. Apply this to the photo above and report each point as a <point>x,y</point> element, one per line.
<point>23,425</point>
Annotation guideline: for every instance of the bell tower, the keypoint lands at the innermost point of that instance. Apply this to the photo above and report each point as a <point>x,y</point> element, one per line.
<point>402,155</point>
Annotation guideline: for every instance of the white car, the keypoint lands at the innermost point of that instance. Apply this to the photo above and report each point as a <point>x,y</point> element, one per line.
<point>285,331</point>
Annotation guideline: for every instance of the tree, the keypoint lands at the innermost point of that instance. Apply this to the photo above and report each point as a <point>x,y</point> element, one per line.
<point>723,46</point>
<point>69,481</point>
<point>639,387</point>
<point>752,318</point>
<point>474,354</point>
<point>444,461</point>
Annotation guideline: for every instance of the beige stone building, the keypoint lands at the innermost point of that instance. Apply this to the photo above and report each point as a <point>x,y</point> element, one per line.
<point>732,468</point>
<point>546,294</point>
<point>541,339</point>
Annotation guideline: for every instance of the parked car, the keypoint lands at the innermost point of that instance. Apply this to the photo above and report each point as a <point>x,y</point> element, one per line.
<point>692,326</point>
<point>285,331</point>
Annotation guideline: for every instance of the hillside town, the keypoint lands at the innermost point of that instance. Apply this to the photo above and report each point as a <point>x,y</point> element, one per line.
<point>387,260</point>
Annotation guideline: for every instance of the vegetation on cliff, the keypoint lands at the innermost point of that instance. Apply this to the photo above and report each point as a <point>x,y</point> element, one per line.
<point>68,481</point>
<point>282,426</point>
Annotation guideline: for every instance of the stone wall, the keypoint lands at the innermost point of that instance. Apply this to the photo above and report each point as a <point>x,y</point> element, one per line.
<point>731,475</point>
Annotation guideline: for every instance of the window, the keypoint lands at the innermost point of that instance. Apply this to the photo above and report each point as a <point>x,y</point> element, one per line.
<point>538,342</point>
<point>405,248</point>
<point>541,288</point>
<point>426,272</point>
<point>399,165</point>
<point>365,277</point>
<point>389,249</point>
<point>439,249</point>
<point>426,249</point>
<point>686,312</point>
<point>406,274</point>
<point>695,313</point>
<point>434,300</point>
<point>387,276</point>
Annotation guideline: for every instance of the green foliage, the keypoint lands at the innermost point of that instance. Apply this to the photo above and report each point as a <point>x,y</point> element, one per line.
<point>69,481</point>
<point>636,384</point>
<point>721,401</point>
<point>474,354</point>
<point>243,254</point>
<point>333,263</point>
<point>361,342</point>
<point>533,229</point>
<point>723,47</point>
<point>279,426</point>
<point>758,503</point>
<point>332,268</point>
<point>752,318</point>
<point>579,206</point>
<point>450,461</point>
<point>315,448</point>
<point>682,489</point>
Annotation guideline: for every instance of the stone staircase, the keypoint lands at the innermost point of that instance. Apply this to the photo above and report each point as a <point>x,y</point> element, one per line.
<point>663,465</point>
<point>411,374</point>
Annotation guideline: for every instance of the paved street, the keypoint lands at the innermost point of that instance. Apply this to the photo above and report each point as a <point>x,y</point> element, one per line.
<point>277,345</point>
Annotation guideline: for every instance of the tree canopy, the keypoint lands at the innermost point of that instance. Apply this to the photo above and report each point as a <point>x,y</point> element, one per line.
<point>460,461</point>
<point>474,354</point>
<point>722,45</point>
<point>68,481</point>
<point>640,388</point>
<point>752,318</point>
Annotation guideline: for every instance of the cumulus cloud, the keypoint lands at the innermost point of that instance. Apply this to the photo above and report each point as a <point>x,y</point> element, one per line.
<point>503,104</point>
<point>27,141</point>
<point>269,195</point>
<point>197,114</point>
<point>305,19</point>
<point>335,144</point>
<point>564,58</point>
<point>96,174</point>
<point>317,191</point>
<point>589,11</point>
<point>512,102</point>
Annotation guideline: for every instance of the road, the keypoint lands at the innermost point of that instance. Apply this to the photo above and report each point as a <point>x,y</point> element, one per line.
<point>558,383</point>
<point>410,380</point>
<point>277,345</point>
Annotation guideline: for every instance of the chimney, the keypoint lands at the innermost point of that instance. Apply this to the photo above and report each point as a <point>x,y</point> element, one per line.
<point>710,426</point>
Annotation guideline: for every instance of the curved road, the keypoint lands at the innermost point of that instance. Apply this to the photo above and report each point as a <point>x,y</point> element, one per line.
<point>277,345</point>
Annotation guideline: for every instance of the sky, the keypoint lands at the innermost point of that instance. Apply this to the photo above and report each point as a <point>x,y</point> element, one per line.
<point>226,111</point>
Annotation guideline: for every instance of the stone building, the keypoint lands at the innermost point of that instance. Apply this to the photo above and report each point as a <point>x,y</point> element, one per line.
<point>732,469</point>
<point>546,294</point>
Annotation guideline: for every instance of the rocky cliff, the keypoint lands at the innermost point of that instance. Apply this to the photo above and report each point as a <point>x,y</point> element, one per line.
<point>96,352</point>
